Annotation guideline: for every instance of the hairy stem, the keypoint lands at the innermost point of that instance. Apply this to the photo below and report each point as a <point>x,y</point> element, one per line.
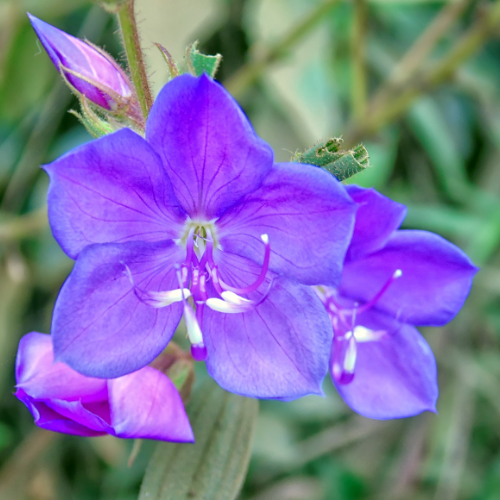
<point>248,74</point>
<point>132,44</point>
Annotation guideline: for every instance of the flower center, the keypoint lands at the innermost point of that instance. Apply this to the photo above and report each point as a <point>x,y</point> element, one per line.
<point>346,333</point>
<point>199,239</point>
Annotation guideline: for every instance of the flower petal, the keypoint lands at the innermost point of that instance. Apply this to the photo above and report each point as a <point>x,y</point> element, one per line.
<point>207,145</point>
<point>277,350</point>
<point>100,328</point>
<point>436,278</point>
<point>113,189</point>
<point>146,404</point>
<point>308,217</point>
<point>395,377</point>
<point>41,378</point>
<point>376,219</point>
<point>46,418</point>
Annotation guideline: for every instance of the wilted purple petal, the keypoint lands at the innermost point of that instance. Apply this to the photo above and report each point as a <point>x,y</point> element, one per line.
<point>100,328</point>
<point>207,145</point>
<point>113,189</point>
<point>279,349</point>
<point>435,282</point>
<point>395,376</point>
<point>46,418</point>
<point>308,217</point>
<point>146,404</point>
<point>41,378</point>
<point>377,218</point>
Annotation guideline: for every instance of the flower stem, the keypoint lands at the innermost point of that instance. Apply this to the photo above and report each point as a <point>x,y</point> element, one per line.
<point>132,44</point>
<point>251,72</point>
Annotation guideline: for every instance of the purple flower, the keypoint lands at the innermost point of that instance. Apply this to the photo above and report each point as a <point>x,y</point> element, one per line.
<point>91,71</point>
<point>197,210</point>
<point>143,404</point>
<point>392,280</point>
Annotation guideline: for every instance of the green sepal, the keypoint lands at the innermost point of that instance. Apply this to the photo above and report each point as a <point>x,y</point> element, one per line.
<point>95,125</point>
<point>341,164</point>
<point>198,63</point>
<point>172,65</point>
<point>216,465</point>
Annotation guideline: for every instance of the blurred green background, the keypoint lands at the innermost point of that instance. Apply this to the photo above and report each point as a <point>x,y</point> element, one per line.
<point>417,81</point>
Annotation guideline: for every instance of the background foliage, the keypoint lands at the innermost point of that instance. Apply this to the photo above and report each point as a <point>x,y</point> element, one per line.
<point>303,70</point>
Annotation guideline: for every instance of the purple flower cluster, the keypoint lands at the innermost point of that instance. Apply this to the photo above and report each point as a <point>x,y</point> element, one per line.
<point>280,272</point>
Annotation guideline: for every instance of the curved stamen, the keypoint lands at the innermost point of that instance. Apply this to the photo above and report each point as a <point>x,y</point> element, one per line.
<point>198,349</point>
<point>263,272</point>
<point>397,274</point>
<point>156,299</point>
<point>344,359</point>
<point>233,303</point>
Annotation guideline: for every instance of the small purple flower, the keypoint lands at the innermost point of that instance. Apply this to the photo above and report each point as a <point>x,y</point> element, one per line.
<point>91,71</point>
<point>197,211</point>
<point>380,364</point>
<point>143,404</point>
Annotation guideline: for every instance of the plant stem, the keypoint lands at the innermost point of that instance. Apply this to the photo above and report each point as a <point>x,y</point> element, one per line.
<point>461,51</point>
<point>406,68</point>
<point>358,93</point>
<point>24,225</point>
<point>132,44</point>
<point>250,72</point>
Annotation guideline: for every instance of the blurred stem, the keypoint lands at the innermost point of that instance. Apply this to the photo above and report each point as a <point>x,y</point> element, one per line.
<point>23,226</point>
<point>46,125</point>
<point>251,72</point>
<point>15,474</point>
<point>132,44</point>
<point>405,70</point>
<point>461,51</point>
<point>358,92</point>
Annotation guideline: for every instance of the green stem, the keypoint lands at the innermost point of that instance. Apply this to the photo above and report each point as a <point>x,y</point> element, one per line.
<point>358,93</point>
<point>132,44</point>
<point>251,72</point>
<point>460,52</point>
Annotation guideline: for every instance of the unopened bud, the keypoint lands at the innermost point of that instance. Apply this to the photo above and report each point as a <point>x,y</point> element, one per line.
<point>90,71</point>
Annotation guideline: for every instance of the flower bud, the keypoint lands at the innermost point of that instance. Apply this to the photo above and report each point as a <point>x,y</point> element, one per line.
<point>87,69</point>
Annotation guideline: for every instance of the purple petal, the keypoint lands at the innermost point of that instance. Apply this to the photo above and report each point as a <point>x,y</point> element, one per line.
<point>146,404</point>
<point>79,56</point>
<point>394,377</point>
<point>46,418</point>
<point>376,219</point>
<point>309,220</point>
<point>436,279</point>
<point>207,145</point>
<point>39,377</point>
<point>113,189</point>
<point>100,328</point>
<point>277,350</point>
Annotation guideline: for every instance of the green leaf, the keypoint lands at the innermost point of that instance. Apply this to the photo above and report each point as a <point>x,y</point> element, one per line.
<point>215,466</point>
<point>199,63</point>
<point>328,155</point>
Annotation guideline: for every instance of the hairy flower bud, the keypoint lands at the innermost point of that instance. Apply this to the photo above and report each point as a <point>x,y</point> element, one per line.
<point>90,71</point>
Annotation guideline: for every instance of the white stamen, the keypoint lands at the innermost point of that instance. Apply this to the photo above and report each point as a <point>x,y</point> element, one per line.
<point>163,299</point>
<point>363,334</point>
<point>397,273</point>
<point>192,326</point>
<point>265,238</point>
<point>232,303</point>
<point>350,356</point>
<point>233,298</point>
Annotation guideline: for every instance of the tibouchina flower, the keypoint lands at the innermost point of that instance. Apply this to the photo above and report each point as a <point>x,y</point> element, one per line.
<point>197,213</point>
<point>392,280</point>
<point>91,71</point>
<point>143,404</point>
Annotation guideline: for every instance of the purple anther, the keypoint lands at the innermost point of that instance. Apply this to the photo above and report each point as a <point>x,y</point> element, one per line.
<point>199,352</point>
